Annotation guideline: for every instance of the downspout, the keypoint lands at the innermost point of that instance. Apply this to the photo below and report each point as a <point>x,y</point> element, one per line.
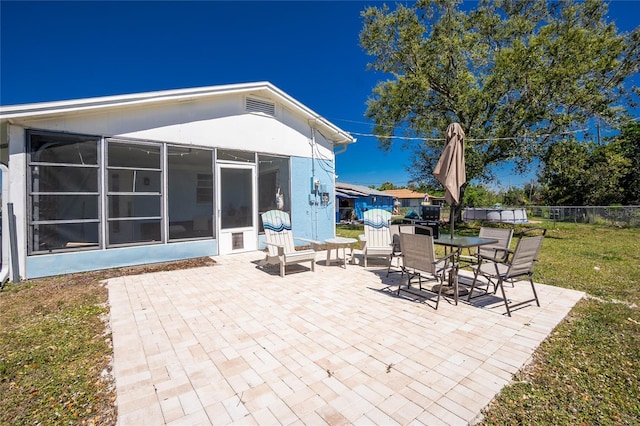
<point>314,219</point>
<point>4,272</point>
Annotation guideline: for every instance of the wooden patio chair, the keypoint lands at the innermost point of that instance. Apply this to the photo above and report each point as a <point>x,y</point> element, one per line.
<point>280,242</point>
<point>376,239</point>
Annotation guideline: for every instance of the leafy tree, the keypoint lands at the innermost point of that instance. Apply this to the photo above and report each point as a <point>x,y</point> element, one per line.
<point>534,193</point>
<point>425,188</point>
<point>584,173</point>
<point>479,196</point>
<point>505,70</point>
<point>629,140</point>
<point>387,185</point>
<point>514,196</point>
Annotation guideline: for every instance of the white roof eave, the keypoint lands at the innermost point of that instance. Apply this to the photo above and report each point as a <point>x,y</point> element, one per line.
<point>44,109</point>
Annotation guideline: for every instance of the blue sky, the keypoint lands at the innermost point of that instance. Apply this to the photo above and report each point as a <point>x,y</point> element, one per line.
<point>65,50</point>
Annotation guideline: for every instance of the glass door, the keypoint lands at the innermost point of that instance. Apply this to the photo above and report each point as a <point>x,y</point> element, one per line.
<point>237,208</point>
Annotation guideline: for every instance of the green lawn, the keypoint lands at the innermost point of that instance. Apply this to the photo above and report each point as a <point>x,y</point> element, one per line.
<point>588,370</point>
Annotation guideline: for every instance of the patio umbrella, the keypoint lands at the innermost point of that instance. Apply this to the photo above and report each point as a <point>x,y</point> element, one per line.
<point>450,170</point>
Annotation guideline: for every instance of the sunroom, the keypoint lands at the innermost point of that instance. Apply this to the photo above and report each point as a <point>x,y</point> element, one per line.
<point>107,182</point>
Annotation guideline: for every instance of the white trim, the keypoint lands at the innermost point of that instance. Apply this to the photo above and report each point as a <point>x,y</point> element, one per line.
<point>259,89</point>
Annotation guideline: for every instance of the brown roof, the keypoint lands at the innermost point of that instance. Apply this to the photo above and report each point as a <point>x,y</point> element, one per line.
<point>409,194</point>
<point>404,193</point>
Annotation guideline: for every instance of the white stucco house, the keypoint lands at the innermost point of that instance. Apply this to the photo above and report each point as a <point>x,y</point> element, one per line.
<point>150,177</point>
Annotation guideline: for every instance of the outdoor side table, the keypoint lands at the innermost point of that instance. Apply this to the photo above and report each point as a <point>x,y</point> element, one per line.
<point>337,244</point>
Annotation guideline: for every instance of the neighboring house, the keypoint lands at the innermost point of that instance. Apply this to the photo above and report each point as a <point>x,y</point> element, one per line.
<point>406,197</point>
<point>353,200</point>
<point>160,176</point>
<point>437,201</point>
<point>411,199</point>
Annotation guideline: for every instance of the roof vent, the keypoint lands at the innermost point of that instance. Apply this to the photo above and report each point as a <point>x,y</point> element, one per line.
<point>258,105</point>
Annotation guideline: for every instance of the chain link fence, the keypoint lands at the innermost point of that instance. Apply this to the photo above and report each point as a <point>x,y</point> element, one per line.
<point>627,216</point>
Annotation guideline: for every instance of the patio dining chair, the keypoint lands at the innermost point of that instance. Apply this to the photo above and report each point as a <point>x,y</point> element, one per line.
<point>376,240</point>
<point>518,267</point>
<point>396,253</point>
<point>419,260</point>
<point>491,252</point>
<point>280,242</point>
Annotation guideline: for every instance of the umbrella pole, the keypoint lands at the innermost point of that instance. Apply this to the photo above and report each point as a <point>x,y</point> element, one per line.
<point>452,217</point>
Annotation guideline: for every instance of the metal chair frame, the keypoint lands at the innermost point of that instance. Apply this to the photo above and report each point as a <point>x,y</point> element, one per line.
<point>520,266</point>
<point>419,260</point>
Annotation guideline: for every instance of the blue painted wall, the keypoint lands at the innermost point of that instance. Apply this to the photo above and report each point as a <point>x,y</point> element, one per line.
<point>67,263</point>
<point>313,219</point>
<point>363,204</point>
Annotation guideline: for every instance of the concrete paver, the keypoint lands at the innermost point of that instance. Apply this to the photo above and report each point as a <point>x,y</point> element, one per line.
<point>233,343</point>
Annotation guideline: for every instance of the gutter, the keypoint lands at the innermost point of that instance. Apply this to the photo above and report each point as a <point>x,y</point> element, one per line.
<point>343,147</point>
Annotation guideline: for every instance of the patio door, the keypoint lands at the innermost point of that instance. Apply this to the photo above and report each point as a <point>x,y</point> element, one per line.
<point>237,208</point>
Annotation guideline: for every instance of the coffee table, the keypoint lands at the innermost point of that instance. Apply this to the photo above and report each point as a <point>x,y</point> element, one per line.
<point>337,244</point>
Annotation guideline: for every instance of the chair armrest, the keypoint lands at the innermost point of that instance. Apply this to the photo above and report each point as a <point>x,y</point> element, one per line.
<point>445,264</point>
<point>362,238</point>
<point>504,254</point>
<point>496,258</point>
<point>502,257</point>
<point>279,246</point>
<point>450,255</point>
<point>315,244</point>
<point>273,244</point>
<point>445,259</point>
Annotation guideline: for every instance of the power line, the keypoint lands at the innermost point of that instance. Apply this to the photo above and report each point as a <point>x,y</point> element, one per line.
<point>396,137</point>
<point>543,135</point>
<point>424,139</point>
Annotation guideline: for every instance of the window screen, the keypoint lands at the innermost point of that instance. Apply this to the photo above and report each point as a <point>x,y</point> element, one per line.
<point>64,197</point>
<point>134,195</point>
<point>190,193</point>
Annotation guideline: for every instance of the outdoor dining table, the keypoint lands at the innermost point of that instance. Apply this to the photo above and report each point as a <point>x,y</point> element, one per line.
<point>457,243</point>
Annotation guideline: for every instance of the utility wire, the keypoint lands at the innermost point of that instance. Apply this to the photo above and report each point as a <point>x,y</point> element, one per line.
<point>511,138</point>
<point>409,138</point>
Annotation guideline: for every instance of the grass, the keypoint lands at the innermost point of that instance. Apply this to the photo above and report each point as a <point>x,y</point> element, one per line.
<point>588,370</point>
<point>601,261</point>
<point>55,350</point>
<point>53,353</point>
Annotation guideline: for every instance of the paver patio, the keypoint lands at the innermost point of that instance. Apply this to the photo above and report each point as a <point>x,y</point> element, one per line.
<point>232,343</point>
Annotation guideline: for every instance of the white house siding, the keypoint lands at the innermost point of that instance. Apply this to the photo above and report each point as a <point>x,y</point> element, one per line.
<point>221,123</point>
<point>18,190</point>
<point>413,203</point>
<point>197,123</point>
